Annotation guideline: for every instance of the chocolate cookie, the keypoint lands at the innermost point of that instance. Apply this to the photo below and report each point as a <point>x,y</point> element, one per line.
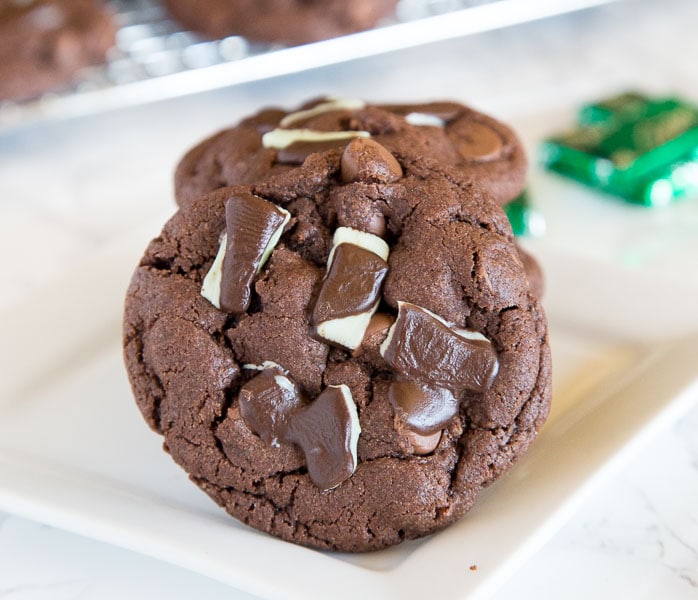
<point>288,21</point>
<point>464,145</point>
<point>43,43</point>
<point>343,354</point>
<point>534,272</point>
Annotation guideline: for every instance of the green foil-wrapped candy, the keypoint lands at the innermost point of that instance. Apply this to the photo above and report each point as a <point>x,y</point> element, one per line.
<point>525,220</point>
<point>644,150</point>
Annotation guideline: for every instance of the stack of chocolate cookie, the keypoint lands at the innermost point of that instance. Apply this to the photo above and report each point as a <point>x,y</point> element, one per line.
<point>336,334</point>
<point>44,43</point>
<point>279,21</point>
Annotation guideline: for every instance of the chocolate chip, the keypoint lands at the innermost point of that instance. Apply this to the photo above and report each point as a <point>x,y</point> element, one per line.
<point>328,431</point>
<point>421,444</point>
<point>475,141</point>
<point>422,408</point>
<point>366,160</point>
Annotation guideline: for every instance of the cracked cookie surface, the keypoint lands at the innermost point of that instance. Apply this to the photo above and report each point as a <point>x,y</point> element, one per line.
<point>451,252</point>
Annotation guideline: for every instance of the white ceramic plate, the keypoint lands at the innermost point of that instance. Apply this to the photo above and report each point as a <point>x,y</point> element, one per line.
<point>75,453</point>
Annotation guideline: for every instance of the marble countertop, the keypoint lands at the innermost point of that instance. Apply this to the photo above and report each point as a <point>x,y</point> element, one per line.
<point>69,188</point>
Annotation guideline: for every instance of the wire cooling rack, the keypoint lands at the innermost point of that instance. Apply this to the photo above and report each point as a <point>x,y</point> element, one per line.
<point>155,59</point>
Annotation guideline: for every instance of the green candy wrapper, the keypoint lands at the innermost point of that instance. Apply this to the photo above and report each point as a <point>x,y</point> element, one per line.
<point>643,150</point>
<point>525,220</point>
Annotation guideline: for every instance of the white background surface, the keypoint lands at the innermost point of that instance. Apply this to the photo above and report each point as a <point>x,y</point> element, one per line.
<point>67,189</point>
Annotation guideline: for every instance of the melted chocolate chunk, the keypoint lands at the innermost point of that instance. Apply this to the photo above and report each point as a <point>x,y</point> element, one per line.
<point>366,160</point>
<point>267,401</point>
<point>327,431</point>
<point>422,408</point>
<point>352,285</point>
<point>423,348</point>
<point>253,226</point>
<point>336,106</point>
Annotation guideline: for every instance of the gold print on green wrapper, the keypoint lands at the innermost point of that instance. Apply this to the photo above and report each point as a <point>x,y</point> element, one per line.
<point>655,131</point>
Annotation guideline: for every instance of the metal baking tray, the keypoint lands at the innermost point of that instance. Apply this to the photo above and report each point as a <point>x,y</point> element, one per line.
<point>155,59</point>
